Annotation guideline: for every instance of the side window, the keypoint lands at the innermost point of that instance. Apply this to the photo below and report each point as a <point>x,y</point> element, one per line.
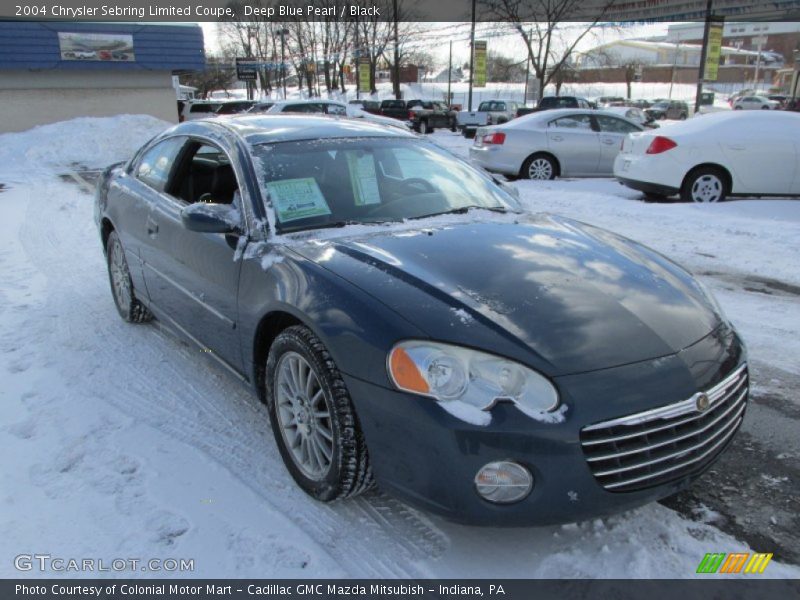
<point>303,108</point>
<point>205,175</point>
<point>574,122</point>
<point>612,125</point>
<point>336,109</point>
<point>156,164</point>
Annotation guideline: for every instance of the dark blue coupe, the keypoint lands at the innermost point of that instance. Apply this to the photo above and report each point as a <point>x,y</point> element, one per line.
<point>407,324</point>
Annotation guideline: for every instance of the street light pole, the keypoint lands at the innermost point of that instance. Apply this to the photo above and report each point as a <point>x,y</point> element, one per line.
<point>701,75</point>
<point>471,58</point>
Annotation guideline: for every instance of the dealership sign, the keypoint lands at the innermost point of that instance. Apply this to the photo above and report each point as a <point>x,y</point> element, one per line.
<point>246,69</point>
<point>112,47</point>
<point>714,48</point>
<point>480,64</point>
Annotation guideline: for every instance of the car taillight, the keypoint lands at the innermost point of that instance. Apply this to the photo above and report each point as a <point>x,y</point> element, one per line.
<point>660,144</point>
<point>496,138</point>
<point>411,115</point>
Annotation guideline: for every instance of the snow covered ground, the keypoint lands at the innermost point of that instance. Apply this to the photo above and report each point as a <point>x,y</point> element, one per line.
<point>118,441</point>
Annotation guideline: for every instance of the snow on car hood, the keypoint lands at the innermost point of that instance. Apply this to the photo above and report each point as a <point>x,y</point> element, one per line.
<point>563,296</point>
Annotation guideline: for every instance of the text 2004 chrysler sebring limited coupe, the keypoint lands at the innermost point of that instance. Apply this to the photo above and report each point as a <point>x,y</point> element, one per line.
<point>403,320</point>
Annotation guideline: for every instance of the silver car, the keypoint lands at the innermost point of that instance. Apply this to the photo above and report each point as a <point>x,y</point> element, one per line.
<point>554,143</point>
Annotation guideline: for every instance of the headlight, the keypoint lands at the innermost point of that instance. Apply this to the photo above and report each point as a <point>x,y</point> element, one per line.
<point>448,373</point>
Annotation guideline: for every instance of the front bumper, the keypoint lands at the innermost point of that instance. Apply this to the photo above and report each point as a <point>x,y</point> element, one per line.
<point>648,187</point>
<point>429,458</point>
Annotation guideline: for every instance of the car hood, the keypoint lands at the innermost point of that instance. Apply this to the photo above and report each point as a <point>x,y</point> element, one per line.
<point>560,295</point>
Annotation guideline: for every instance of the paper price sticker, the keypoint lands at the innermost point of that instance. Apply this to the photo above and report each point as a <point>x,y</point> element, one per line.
<point>295,199</point>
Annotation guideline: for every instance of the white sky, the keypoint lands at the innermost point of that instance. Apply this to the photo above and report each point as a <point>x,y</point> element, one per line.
<point>434,37</point>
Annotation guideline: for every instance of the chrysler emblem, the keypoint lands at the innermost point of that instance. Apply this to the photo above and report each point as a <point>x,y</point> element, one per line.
<point>701,402</point>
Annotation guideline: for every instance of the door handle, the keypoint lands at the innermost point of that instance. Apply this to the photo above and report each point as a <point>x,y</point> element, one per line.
<point>609,141</point>
<point>152,227</point>
<point>556,138</point>
<point>736,146</point>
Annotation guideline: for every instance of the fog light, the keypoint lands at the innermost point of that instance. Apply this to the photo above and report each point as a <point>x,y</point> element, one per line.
<point>503,482</point>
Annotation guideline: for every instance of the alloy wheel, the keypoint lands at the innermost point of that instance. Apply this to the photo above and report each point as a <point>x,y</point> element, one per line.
<point>120,280</point>
<point>304,416</point>
<point>540,168</point>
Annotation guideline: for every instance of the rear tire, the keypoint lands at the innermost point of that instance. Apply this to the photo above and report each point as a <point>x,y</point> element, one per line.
<point>313,418</point>
<point>540,167</point>
<point>119,276</point>
<point>423,127</point>
<point>705,185</point>
<point>453,125</point>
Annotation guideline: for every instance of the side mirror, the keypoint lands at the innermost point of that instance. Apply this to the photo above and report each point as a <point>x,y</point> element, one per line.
<point>211,218</point>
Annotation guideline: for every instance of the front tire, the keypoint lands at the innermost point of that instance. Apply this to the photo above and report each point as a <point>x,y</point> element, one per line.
<point>705,185</point>
<point>423,127</point>
<point>119,276</point>
<point>539,167</point>
<point>313,418</point>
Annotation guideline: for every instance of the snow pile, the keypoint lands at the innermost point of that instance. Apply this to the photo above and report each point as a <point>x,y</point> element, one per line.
<point>83,142</point>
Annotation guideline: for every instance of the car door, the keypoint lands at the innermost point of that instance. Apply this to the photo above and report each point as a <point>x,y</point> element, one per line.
<point>134,193</point>
<point>612,132</point>
<point>574,143</point>
<point>763,161</point>
<point>193,277</point>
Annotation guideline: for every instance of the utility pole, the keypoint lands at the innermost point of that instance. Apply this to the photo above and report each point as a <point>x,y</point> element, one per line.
<point>357,68</point>
<point>449,74</point>
<point>674,64</point>
<point>527,73</point>
<point>396,55</point>
<point>703,53</point>
<point>471,58</point>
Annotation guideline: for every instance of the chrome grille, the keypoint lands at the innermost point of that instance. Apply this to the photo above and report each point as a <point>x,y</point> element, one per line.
<point>667,443</point>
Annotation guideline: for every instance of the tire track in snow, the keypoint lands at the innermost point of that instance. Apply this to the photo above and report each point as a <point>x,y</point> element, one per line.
<point>149,375</point>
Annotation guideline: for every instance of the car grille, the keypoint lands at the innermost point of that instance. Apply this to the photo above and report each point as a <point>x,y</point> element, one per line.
<point>650,448</point>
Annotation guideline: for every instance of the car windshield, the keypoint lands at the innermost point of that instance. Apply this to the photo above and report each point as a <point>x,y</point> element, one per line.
<point>490,106</point>
<point>557,101</point>
<point>335,182</point>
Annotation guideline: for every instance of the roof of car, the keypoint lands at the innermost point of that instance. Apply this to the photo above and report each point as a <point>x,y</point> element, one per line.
<point>265,128</point>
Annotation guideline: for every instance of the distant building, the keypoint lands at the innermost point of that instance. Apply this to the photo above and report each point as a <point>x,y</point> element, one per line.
<point>51,71</point>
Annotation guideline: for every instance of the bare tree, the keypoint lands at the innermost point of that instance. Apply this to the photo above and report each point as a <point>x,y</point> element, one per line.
<point>549,29</point>
<point>217,75</point>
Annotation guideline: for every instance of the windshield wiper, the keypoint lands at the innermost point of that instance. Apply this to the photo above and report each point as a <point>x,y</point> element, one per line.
<point>329,225</point>
<point>462,210</point>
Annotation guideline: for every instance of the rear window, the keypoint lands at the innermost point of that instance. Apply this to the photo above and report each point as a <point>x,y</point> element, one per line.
<point>492,106</point>
<point>393,104</point>
<point>203,108</point>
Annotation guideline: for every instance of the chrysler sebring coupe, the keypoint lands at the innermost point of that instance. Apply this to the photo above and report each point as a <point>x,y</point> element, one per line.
<point>408,325</point>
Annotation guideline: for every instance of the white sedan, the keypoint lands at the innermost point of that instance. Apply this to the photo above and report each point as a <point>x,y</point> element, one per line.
<point>711,157</point>
<point>332,107</point>
<point>755,103</point>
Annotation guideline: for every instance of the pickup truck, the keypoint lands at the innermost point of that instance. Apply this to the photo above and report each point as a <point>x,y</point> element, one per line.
<point>490,112</point>
<point>424,115</point>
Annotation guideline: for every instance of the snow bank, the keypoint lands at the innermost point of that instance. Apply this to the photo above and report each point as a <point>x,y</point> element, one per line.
<point>84,142</point>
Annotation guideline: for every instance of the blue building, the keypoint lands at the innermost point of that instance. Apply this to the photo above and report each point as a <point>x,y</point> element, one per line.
<point>51,71</point>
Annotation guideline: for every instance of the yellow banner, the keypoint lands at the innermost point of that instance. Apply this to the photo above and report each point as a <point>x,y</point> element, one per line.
<point>363,75</point>
<point>713,51</point>
<point>479,77</point>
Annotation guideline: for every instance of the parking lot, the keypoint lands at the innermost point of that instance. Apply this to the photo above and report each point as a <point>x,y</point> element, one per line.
<point>156,452</point>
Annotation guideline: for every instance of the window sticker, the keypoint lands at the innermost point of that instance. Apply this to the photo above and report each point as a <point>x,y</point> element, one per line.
<point>364,178</point>
<point>295,199</point>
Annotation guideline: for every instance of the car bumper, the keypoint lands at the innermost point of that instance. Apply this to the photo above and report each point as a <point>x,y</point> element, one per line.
<point>656,174</point>
<point>495,159</point>
<point>429,458</point>
<point>648,187</point>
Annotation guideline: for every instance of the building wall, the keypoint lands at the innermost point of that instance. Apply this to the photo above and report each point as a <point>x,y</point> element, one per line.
<point>664,74</point>
<point>31,98</point>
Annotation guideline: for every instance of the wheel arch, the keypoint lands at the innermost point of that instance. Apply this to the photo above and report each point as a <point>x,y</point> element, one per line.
<point>546,153</point>
<point>710,165</point>
<point>106,227</point>
<point>269,327</point>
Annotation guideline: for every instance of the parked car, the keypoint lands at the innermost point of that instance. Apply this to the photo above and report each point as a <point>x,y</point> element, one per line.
<point>235,107</point>
<point>370,106</point>
<point>334,108</point>
<point>552,102</point>
<point>668,109</point>
<point>555,143</point>
<point>524,110</point>
<point>425,115</point>
<point>781,99</point>
<point>261,106</point>
<point>116,55</point>
<point>711,158</point>
<point>104,55</point>
<point>200,109</point>
<point>637,115</point>
<point>607,101</point>
<point>640,103</point>
<point>490,112</point>
<point>755,103</point>
<point>86,54</point>
<point>494,367</point>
